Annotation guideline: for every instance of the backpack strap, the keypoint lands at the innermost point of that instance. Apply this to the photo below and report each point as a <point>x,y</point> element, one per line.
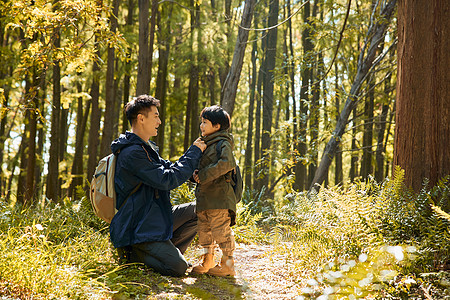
<point>132,192</point>
<point>140,183</point>
<point>219,148</point>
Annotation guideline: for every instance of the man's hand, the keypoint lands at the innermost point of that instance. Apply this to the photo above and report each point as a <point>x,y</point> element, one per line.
<point>201,144</point>
<point>195,175</point>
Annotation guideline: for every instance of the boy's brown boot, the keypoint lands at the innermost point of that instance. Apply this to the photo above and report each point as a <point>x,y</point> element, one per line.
<point>226,267</point>
<point>206,263</point>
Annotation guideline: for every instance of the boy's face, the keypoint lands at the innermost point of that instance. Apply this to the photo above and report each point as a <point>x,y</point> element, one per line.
<point>208,128</point>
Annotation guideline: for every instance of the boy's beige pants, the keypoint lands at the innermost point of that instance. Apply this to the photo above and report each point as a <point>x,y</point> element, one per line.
<point>213,225</point>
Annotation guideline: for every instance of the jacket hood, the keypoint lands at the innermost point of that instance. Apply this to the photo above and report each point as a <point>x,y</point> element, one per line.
<point>217,136</point>
<point>125,140</point>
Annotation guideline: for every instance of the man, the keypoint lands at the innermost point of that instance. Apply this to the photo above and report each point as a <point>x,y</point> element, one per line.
<point>147,228</point>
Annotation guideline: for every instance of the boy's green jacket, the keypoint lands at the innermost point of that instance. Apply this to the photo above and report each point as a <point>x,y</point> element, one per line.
<point>214,190</point>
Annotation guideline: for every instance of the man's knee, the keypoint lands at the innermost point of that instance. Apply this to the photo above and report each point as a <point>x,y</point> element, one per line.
<point>178,268</point>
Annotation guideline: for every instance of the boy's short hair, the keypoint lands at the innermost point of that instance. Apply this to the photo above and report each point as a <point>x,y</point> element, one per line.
<point>140,104</point>
<point>216,115</point>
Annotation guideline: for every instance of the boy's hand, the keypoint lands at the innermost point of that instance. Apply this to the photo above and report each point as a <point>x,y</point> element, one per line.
<point>201,144</point>
<point>195,175</point>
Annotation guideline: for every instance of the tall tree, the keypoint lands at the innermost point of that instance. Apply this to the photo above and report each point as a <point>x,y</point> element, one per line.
<point>52,190</point>
<point>422,132</point>
<point>231,82</point>
<point>268,91</point>
<point>143,75</point>
<point>111,100</point>
<point>164,42</point>
<point>94,128</point>
<point>300,167</point>
<point>366,61</point>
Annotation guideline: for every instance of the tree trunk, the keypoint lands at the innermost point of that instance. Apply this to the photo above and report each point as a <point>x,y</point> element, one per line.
<point>24,148</point>
<point>62,148</point>
<point>231,82</point>
<point>338,172</point>
<point>163,61</point>
<point>52,190</point>
<point>354,154</point>
<point>110,97</point>
<point>300,167</point>
<point>224,67</point>
<point>143,76</point>
<point>422,132</point>
<point>269,89</point>
<point>374,36</point>
<point>155,12</point>
<point>366,163</point>
<point>251,110</point>
<point>128,69</point>
<point>31,161</point>
<point>257,145</point>
<point>94,129</point>
<point>193,80</point>
<point>77,165</point>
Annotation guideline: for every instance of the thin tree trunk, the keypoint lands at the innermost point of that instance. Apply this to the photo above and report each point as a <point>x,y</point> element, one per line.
<point>143,75</point>
<point>128,70</point>
<point>154,14</point>
<point>110,97</point>
<point>338,172</point>
<point>251,110</point>
<point>77,165</point>
<point>374,36</point>
<point>94,128</point>
<point>163,61</point>
<point>194,78</point>
<point>366,163</point>
<point>256,177</point>
<point>231,82</point>
<point>52,190</point>
<point>300,167</point>
<point>268,92</point>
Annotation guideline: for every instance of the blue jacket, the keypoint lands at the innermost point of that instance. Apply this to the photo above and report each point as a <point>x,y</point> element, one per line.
<point>147,215</point>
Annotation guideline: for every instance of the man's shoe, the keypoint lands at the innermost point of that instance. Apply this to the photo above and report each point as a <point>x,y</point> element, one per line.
<point>206,263</point>
<point>226,268</point>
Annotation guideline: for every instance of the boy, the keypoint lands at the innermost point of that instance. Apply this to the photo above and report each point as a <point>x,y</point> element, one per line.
<point>216,202</point>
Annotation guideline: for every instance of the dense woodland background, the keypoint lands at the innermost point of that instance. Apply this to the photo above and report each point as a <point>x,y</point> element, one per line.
<point>311,87</point>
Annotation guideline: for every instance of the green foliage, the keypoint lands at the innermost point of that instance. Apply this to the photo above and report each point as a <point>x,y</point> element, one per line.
<point>364,232</point>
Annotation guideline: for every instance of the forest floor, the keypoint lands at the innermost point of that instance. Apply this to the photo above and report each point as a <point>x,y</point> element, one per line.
<point>260,274</point>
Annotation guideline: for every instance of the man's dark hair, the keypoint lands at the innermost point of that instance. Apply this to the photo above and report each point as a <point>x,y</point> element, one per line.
<point>216,115</point>
<point>140,104</point>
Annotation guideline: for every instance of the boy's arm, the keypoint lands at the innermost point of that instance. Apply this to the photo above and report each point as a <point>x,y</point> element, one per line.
<point>225,164</point>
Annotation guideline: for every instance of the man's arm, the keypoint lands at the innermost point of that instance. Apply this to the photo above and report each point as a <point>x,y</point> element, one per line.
<point>166,176</point>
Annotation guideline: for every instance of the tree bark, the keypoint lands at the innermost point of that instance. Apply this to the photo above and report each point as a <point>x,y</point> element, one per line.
<point>300,167</point>
<point>268,91</point>
<point>143,76</point>
<point>366,163</point>
<point>163,61</point>
<point>110,97</point>
<point>251,112</point>
<point>374,36</point>
<point>422,132</point>
<point>231,82</point>
<point>94,128</point>
<point>338,172</point>
<point>52,190</point>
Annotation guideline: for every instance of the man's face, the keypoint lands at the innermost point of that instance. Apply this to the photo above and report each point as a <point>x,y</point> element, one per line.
<point>150,121</point>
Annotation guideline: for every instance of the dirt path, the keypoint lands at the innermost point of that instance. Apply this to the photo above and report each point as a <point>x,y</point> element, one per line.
<point>260,275</point>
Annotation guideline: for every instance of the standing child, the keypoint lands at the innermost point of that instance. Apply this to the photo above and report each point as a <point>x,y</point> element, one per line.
<point>216,202</point>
